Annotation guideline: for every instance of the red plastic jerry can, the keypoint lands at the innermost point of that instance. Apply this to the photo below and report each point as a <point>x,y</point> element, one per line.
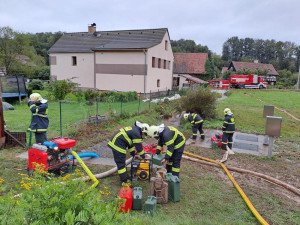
<point>126,199</point>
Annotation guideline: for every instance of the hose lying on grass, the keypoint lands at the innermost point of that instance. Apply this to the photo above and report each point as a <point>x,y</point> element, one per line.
<point>247,201</point>
<point>107,173</point>
<point>260,175</point>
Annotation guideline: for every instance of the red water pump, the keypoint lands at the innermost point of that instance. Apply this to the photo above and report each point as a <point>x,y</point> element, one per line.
<point>217,140</point>
<point>53,156</point>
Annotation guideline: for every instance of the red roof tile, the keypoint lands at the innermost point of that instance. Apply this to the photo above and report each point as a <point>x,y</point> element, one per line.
<point>190,63</point>
<point>255,66</point>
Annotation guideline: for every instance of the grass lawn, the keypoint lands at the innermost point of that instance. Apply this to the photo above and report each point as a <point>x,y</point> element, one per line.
<point>18,120</point>
<point>248,111</point>
<point>207,195</point>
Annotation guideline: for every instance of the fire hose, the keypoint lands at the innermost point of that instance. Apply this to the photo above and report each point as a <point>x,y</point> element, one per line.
<point>87,170</point>
<point>247,201</point>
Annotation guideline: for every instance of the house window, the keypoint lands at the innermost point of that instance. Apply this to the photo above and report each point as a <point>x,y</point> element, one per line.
<point>153,62</point>
<point>74,61</point>
<point>159,63</point>
<point>158,83</point>
<point>166,45</point>
<point>169,65</point>
<point>165,64</point>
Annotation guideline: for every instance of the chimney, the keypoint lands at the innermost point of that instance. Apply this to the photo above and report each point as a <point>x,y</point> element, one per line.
<point>92,28</point>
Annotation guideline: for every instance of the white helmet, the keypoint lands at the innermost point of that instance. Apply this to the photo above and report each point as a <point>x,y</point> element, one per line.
<point>153,131</point>
<point>226,111</point>
<point>37,97</point>
<point>186,115</point>
<point>144,126</point>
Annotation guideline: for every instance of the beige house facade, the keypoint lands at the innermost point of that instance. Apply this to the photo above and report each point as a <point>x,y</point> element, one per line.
<point>135,60</point>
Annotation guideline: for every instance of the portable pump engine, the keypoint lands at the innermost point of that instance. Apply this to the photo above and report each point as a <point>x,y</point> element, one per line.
<point>53,155</point>
<point>141,169</point>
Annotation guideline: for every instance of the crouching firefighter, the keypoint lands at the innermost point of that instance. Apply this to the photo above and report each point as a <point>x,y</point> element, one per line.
<point>39,122</point>
<point>228,129</point>
<point>197,123</point>
<point>127,138</point>
<point>174,140</point>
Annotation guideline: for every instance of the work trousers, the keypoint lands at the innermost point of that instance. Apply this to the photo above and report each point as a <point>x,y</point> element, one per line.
<point>195,129</point>
<point>40,137</point>
<point>173,165</point>
<point>120,160</point>
<point>227,137</point>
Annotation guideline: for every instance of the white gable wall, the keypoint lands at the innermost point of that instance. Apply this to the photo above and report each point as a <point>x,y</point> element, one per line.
<point>164,75</point>
<point>83,71</point>
<point>120,70</point>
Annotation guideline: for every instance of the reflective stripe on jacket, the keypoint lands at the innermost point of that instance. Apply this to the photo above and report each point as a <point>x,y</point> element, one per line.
<point>228,124</point>
<point>194,118</point>
<point>128,137</point>
<point>172,138</point>
<point>40,121</point>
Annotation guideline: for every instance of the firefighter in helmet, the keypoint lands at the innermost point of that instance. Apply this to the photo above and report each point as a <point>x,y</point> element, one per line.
<point>174,140</point>
<point>39,122</point>
<point>127,138</point>
<point>228,129</point>
<point>197,123</point>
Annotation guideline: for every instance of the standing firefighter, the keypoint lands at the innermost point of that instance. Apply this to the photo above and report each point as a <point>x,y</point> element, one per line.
<point>174,140</point>
<point>39,121</point>
<point>127,138</point>
<point>197,123</point>
<point>228,129</point>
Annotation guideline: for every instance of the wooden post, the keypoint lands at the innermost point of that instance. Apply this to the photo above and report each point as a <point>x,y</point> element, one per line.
<point>2,136</point>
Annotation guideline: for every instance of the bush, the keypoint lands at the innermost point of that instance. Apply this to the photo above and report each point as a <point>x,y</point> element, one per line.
<point>60,88</point>
<point>201,101</point>
<point>89,94</point>
<point>36,85</point>
<point>43,73</point>
<point>59,201</point>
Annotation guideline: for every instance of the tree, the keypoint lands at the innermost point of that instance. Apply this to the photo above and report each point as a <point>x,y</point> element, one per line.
<point>188,46</point>
<point>8,47</point>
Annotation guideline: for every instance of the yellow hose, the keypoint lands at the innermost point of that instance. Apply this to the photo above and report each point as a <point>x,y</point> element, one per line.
<point>87,170</point>
<point>249,204</point>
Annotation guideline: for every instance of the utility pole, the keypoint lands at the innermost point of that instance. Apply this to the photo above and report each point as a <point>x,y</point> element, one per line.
<point>298,82</point>
<point>2,136</point>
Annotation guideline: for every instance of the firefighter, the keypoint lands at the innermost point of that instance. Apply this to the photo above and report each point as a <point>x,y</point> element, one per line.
<point>127,138</point>
<point>39,122</point>
<point>228,129</point>
<point>197,123</point>
<point>174,140</point>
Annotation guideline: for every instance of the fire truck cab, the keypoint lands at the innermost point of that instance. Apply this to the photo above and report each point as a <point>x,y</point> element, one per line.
<point>247,81</point>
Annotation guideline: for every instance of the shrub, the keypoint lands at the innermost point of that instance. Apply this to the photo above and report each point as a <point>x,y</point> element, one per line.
<point>36,85</point>
<point>60,88</point>
<point>89,94</point>
<point>201,101</point>
<point>59,201</point>
<point>79,95</point>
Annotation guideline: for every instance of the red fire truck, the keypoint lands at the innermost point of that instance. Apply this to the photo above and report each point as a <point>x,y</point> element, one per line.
<point>247,81</point>
<point>219,84</point>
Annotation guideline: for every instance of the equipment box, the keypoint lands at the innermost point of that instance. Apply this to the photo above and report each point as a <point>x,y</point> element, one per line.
<point>64,143</point>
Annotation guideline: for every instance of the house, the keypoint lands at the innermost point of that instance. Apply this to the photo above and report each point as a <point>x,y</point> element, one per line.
<point>186,67</point>
<point>121,60</point>
<point>272,73</point>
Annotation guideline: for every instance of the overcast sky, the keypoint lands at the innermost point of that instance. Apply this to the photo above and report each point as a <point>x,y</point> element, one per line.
<point>207,22</point>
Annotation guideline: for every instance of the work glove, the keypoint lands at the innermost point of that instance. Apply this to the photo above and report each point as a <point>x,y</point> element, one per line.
<point>137,157</point>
